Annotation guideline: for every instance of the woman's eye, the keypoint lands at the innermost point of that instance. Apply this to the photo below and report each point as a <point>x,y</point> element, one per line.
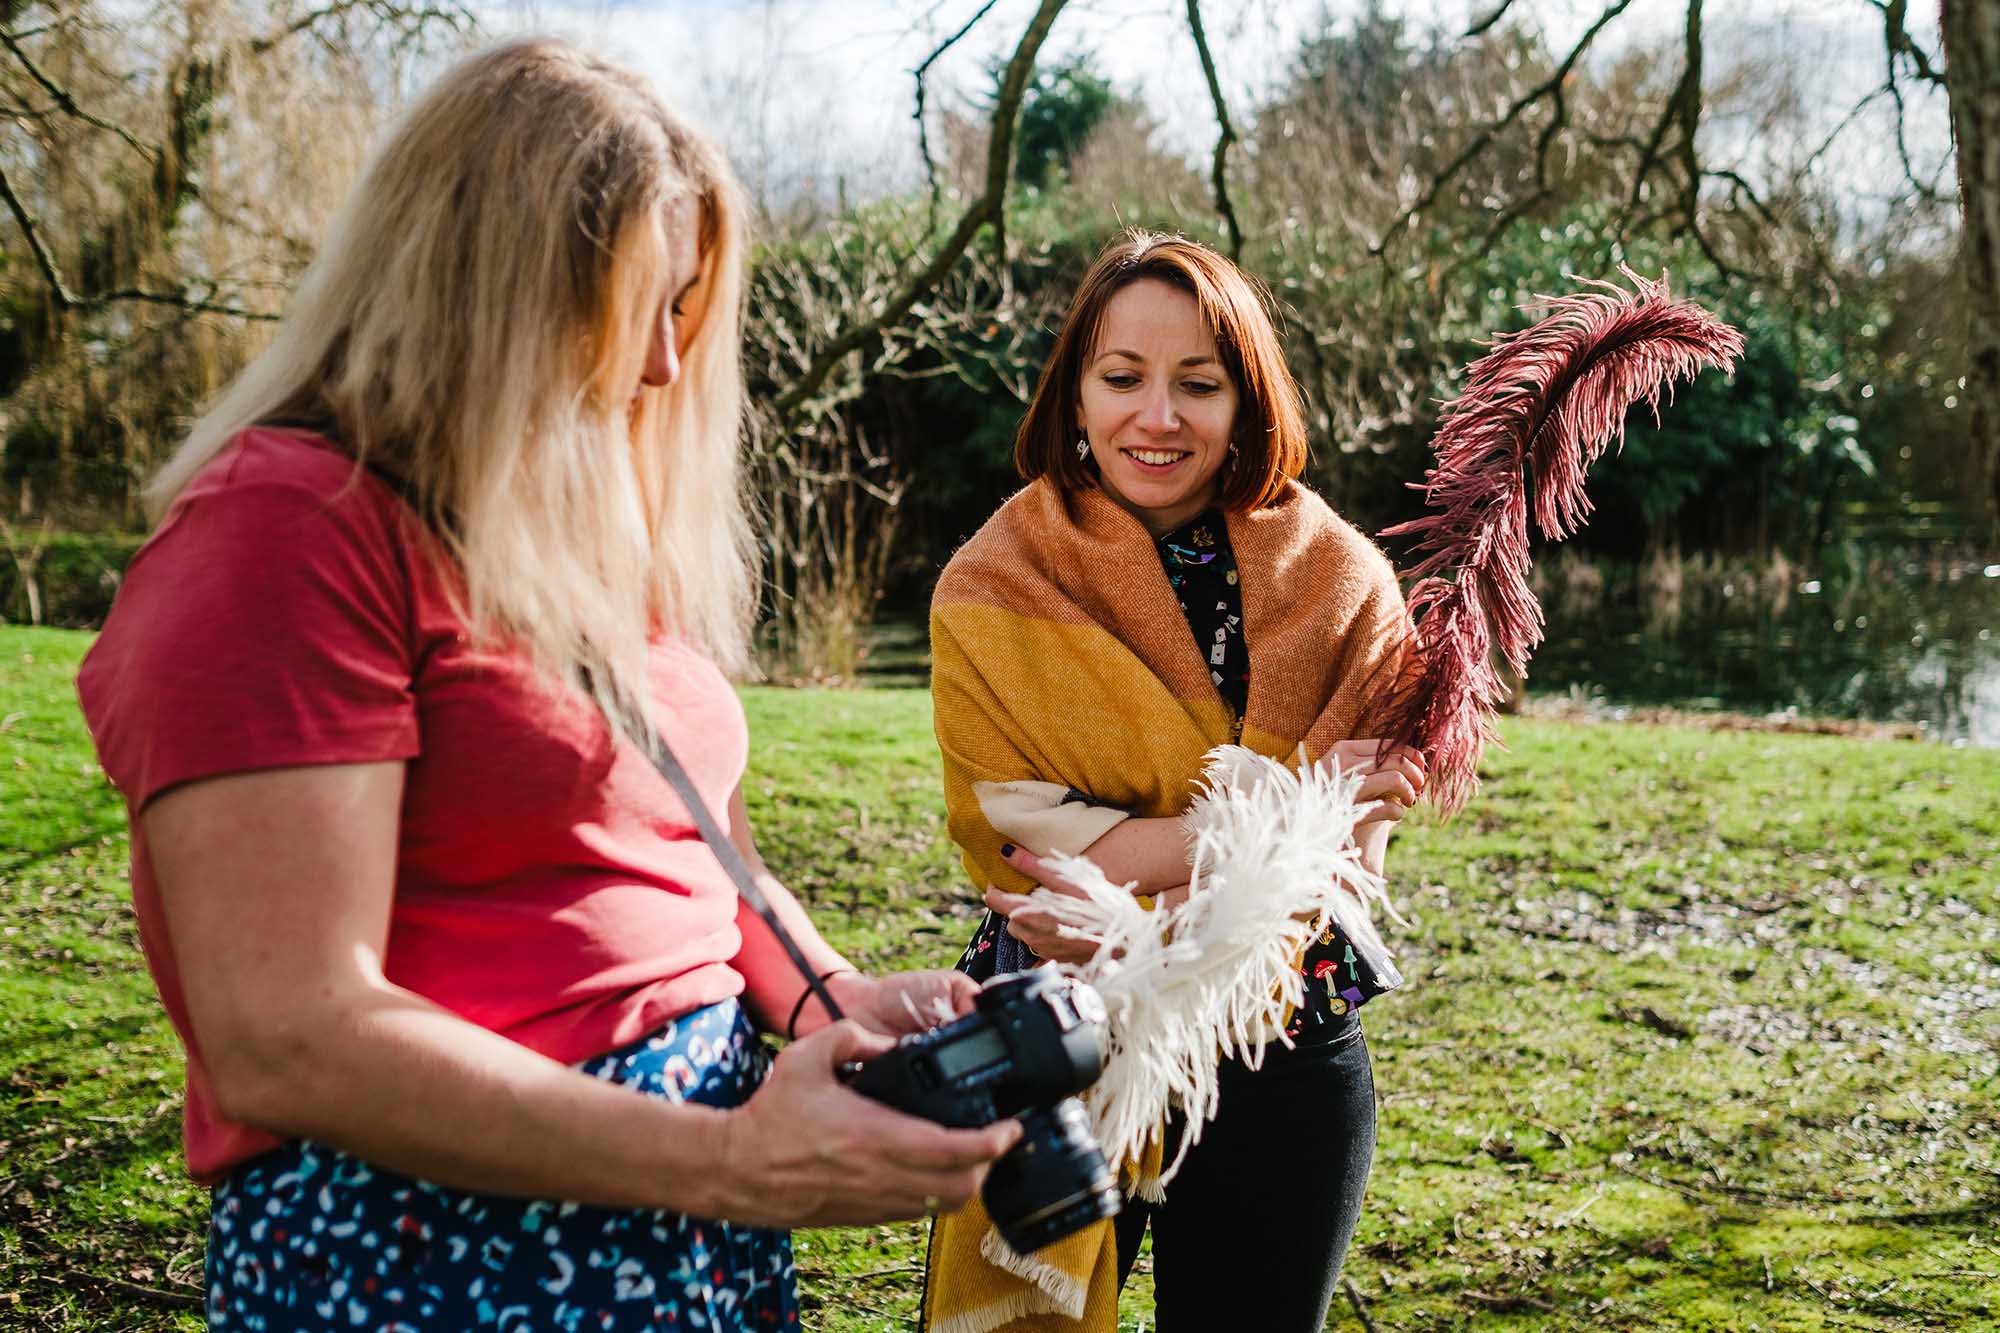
<point>1201,388</point>
<point>1121,380</point>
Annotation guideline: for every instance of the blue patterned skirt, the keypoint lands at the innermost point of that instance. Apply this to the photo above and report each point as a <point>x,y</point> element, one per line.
<point>308,1238</point>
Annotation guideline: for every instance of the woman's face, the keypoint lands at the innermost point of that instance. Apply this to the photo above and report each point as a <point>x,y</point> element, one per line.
<point>678,239</point>
<point>1157,405</point>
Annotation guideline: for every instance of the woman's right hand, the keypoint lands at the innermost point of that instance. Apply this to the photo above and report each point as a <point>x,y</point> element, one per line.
<point>807,1150</point>
<point>1394,783</point>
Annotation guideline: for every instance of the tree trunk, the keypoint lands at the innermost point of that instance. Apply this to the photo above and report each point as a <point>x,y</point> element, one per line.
<point>1972,80</point>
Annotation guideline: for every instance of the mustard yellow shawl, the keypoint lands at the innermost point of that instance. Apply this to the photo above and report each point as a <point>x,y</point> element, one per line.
<point>1061,664</point>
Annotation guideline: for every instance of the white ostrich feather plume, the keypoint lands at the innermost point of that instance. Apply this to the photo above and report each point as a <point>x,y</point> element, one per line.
<point>1274,862</point>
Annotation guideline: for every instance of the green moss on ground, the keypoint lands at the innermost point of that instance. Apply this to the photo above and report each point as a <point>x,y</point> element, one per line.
<point>1702,1029</point>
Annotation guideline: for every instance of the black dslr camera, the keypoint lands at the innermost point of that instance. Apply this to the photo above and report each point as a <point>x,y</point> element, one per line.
<point>1034,1040</point>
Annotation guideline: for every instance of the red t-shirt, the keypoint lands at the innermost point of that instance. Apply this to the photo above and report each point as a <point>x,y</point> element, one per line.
<point>549,885</point>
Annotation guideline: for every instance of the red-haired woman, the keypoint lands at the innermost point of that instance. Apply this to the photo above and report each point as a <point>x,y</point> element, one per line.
<point>1164,585</point>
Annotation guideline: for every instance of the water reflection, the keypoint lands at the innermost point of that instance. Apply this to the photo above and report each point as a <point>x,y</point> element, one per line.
<point>1895,640</point>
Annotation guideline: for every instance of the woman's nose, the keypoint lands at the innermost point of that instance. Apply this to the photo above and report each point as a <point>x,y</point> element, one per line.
<point>1157,413</point>
<point>663,361</point>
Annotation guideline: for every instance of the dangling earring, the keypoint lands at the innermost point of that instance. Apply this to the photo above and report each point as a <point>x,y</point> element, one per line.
<point>1082,447</point>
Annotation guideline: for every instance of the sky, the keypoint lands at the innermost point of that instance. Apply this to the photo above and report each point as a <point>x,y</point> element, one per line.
<point>815,96</point>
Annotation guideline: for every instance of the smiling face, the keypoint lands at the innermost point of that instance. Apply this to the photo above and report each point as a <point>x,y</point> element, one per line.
<point>1157,405</point>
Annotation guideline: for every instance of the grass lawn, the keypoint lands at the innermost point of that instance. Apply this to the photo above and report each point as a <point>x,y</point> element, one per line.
<point>1702,1029</point>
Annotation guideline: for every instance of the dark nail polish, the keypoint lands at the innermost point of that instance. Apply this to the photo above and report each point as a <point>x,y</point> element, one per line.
<point>1006,849</point>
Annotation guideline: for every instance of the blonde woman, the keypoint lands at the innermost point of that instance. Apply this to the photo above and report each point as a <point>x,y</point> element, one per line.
<point>470,1011</point>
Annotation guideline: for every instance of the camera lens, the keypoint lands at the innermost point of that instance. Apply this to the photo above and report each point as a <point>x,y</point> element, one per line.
<point>1053,1183</point>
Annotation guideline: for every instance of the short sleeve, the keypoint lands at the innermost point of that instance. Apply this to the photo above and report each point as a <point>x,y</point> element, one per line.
<point>268,623</point>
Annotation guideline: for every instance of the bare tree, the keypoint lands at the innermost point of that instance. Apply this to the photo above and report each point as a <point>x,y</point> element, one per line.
<point>165,171</point>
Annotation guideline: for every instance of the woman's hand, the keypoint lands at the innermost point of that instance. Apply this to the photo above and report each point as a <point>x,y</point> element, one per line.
<point>1030,924</point>
<point>807,1150</point>
<point>898,1004</point>
<point>1394,782</point>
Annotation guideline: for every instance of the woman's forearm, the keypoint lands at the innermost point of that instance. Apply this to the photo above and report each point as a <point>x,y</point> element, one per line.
<point>1149,854</point>
<point>1373,840</point>
<point>772,987</point>
<point>392,1078</point>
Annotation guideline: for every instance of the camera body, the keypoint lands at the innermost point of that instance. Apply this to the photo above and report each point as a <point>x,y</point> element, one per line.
<point>1033,1041</point>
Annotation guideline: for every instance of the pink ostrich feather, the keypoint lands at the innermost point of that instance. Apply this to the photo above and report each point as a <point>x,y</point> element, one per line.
<point>1537,411</point>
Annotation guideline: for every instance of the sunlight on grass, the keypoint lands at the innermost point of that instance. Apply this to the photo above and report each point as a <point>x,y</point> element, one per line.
<point>1701,1028</point>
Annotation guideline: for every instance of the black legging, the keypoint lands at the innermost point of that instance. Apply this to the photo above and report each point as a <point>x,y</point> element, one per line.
<point>1259,1218</point>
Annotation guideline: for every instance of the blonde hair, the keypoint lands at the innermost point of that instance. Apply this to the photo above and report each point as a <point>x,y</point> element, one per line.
<point>475,323</point>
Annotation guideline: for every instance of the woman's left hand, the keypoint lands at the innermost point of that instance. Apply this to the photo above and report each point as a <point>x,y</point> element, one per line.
<point>1030,924</point>
<point>900,1003</point>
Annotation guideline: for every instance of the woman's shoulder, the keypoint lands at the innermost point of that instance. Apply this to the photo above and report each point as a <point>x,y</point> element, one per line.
<point>291,483</point>
<point>1301,525</point>
<point>279,459</point>
<point>1005,544</point>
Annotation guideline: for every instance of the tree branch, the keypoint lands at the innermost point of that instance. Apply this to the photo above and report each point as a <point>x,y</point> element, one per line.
<point>66,299</point>
<point>1226,135</point>
<point>1896,36</point>
<point>415,16</point>
<point>1485,137</point>
<point>46,262</point>
<point>983,210</point>
<point>1896,42</point>
<point>1682,112</point>
<point>68,103</point>
<point>193,305</point>
<point>923,129</point>
<point>1486,24</point>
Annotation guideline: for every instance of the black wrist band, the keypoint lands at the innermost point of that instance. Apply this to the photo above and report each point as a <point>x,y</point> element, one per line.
<point>792,1026</point>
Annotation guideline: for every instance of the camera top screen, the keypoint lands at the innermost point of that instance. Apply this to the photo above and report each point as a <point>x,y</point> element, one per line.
<point>975,1052</point>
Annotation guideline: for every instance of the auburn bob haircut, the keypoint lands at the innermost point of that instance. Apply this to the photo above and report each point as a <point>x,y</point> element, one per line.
<point>1269,437</point>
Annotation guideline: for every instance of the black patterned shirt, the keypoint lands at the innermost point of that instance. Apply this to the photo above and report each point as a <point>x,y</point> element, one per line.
<point>1202,570</point>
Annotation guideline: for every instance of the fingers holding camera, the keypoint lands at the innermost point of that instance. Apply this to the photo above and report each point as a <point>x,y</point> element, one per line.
<point>900,1003</point>
<point>807,1150</point>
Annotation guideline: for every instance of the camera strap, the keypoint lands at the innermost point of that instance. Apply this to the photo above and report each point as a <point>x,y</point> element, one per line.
<point>654,746</point>
<point>650,743</point>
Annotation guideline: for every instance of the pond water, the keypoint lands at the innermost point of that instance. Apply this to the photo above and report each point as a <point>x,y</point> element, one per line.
<point>1898,640</point>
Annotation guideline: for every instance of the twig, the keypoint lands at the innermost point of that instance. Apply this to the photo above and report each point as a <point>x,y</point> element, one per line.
<point>1486,24</point>
<point>1733,1191</point>
<point>1225,136</point>
<point>1647,1016</point>
<point>923,130</point>
<point>829,1274</point>
<point>1575,1215</point>
<point>1505,1303</point>
<point>1360,1306</point>
<point>45,261</point>
<point>177,300</point>
<point>984,210</point>
<point>1896,36</point>
<point>1485,137</point>
<point>184,1299</point>
<point>69,103</point>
